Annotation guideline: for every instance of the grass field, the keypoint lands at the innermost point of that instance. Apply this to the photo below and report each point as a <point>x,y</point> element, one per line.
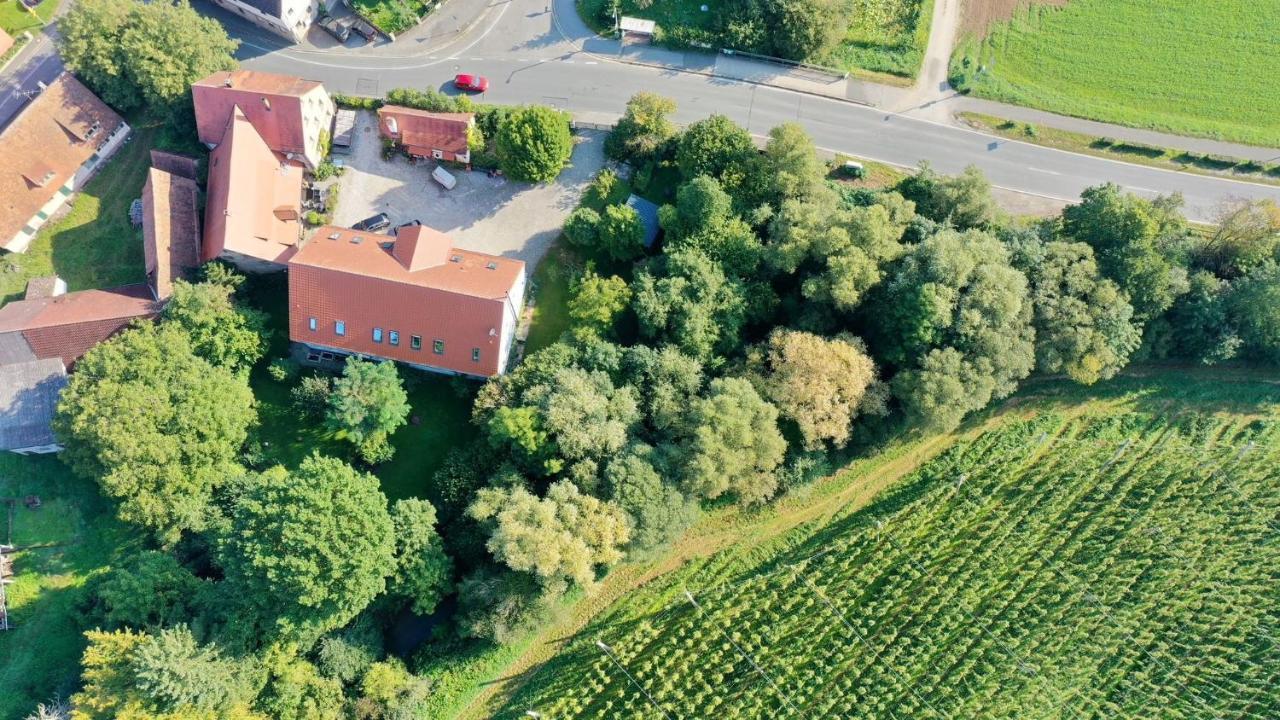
<point>75,536</point>
<point>1109,553</point>
<point>1183,66</point>
<point>884,36</point>
<point>14,18</point>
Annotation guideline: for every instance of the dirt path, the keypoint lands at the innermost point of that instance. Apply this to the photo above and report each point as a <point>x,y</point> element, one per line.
<point>927,98</point>
<point>844,492</point>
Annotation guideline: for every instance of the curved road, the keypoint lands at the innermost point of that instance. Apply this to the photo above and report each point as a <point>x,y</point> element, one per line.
<point>532,51</point>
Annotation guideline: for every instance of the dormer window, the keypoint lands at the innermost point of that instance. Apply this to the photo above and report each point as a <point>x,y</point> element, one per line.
<point>456,259</point>
<point>93,130</point>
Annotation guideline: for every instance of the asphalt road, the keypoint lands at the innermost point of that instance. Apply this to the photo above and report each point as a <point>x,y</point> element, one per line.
<point>39,63</point>
<point>529,59</point>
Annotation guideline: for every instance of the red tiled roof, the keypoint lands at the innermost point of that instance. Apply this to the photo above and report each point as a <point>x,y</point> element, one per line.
<point>273,103</point>
<point>6,42</point>
<point>66,326</point>
<point>425,130</point>
<point>454,297</point>
<point>254,197</point>
<point>170,229</point>
<point>45,145</point>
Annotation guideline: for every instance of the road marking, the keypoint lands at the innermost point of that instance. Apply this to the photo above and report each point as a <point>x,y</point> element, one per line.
<point>1042,170</point>
<point>567,62</point>
<point>590,62</point>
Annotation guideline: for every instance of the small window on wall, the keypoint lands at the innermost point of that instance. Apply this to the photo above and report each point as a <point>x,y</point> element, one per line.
<point>437,347</point>
<point>393,337</point>
<point>475,354</point>
<point>415,342</point>
<point>311,324</point>
<point>339,327</point>
<point>377,335</point>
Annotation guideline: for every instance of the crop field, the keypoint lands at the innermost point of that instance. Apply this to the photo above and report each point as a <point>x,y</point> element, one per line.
<point>1108,559</point>
<point>1185,66</point>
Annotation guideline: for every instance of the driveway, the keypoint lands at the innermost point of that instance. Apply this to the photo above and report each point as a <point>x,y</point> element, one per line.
<point>492,215</point>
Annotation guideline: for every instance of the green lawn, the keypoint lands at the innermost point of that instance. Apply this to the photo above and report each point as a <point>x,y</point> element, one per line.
<point>78,537</point>
<point>392,16</point>
<point>1111,547</point>
<point>884,36</point>
<point>1184,66</point>
<point>439,419</point>
<point>93,245</point>
<point>15,18</point>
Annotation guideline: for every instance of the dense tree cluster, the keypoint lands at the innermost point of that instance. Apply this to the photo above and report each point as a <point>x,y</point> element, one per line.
<point>138,54</point>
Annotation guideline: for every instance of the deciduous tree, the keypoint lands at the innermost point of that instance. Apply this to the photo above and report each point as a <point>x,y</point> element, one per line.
<point>815,382</point>
<point>598,301</point>
<point>644,129</point>
<point>135,54</point>
<point>307,550</point>
<point>687,300</point>
<point>658,512</point>
<point>367,404</point>
<point>158,427</point>
<point>534,143</point>
<point>221,332</point>
<point>423,571</point>
<point>733,443</point>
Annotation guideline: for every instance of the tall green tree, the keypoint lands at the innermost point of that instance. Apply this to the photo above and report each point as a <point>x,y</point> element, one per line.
<point>136,54</point>
<point>805,29</point>
<point>1204,329</point>
<point>703,219</point>
<point>153,590</point>
<point>1255,306</point>
<point>307,550</point>
<point>1084,323</point>
<point>657,511</point>
<point>1129,235</point>
<point>667,381</point>
<point>620,233</point>
<point>963,200</point>
<point>423,571</point>
<point>644,129</point>
<point>534,143</point>
<point>222,332</point>
<point>686,299</point>
<point>158,427</point>
<point>956,319</point>
<point>598,301</point>
<point>367,404</point>
<point>1246,234</point>
<point>733,444</point>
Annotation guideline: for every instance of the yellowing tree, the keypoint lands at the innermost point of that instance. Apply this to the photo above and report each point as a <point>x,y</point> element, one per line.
<point>817,383</point>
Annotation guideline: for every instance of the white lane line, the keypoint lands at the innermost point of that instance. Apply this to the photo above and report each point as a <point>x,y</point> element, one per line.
<point>590,62</point>
<point>1042,170</point>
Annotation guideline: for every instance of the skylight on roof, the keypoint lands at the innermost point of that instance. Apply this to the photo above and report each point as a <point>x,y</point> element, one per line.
<point>456,258</point>
<point>355,239</point>
<point>334,235</point>
<point>491,265</point>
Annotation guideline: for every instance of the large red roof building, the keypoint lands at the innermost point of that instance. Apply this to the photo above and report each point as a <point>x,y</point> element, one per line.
<point>415,299</point>
<point>289,113</point>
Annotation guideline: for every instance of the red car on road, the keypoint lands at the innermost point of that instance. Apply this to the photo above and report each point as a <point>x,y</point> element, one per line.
<point>472,83</point>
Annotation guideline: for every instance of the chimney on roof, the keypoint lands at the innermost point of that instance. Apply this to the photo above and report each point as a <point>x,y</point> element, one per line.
<point>419,247</point>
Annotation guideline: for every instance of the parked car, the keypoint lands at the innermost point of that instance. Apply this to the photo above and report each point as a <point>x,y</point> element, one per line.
<point>365,30</point>
<point>471,83</point>
<point>373,224</point>
<point>335,27</point>
<point>411,223</point>
<point>444,177</point>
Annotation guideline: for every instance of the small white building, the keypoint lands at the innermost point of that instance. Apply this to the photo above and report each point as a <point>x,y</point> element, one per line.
<point>290,19</point>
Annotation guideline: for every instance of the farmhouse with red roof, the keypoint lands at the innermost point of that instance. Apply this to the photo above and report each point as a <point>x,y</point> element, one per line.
<point>415,299</point>
<point>441,136</point>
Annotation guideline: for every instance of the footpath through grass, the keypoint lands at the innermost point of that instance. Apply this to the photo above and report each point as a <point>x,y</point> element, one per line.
<point>1194,67</point>
<point>1099,533</point>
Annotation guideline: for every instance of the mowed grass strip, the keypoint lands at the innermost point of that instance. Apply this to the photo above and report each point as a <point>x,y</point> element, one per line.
<point>1184,66</point>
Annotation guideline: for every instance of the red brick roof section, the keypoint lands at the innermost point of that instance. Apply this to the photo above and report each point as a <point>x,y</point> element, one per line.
<point>170,229</point>
<point>67,326</point>
<point>273,103</point>
<point>458,297</point>
<point>425,131</point>
<point>6,42</point>
<point>45,145</point>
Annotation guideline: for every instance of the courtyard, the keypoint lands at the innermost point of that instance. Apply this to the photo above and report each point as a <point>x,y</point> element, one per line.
<point>482,213</point>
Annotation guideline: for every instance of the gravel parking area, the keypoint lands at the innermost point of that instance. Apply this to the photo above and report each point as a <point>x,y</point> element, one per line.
<point>486,214</point>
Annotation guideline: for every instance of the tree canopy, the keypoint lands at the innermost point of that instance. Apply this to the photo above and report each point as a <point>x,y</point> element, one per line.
<point>311,569</point>
<point>137,54</point>
<point>367,404</point>
<point>534,143</point>
<point>423,571</point>
<point>733,444</point>
<point>157,426</point>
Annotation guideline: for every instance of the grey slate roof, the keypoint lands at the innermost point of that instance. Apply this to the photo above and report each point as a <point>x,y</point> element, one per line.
<point>28,397</point>
<point>648,213</point>
<point>14,348</point>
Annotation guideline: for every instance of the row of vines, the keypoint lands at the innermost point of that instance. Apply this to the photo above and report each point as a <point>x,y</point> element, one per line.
<point>1104,566</point>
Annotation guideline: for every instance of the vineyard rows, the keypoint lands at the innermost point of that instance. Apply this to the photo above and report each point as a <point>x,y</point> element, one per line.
<point>1106,566</point>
